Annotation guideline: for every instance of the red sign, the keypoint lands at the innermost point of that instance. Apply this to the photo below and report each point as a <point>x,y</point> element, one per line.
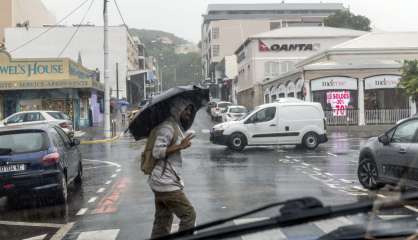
<point>339,102</point>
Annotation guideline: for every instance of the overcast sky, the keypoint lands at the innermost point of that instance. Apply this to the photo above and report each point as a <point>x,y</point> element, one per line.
<point>183,17</point>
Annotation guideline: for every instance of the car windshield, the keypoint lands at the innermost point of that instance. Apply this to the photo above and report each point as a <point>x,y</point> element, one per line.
<point>58,115</point>
<point>237,110</point>
<point>165,115</point>
<point>23,142</point>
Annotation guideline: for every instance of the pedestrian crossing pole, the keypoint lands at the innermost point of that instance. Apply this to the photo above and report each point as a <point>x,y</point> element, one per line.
<point>107,130</point>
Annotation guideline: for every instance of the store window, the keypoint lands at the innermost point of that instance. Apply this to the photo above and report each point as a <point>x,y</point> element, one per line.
<point>337,99</point>
<point>394,98</point>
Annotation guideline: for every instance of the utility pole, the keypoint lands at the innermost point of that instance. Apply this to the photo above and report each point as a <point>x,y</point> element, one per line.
<point>175,77</point>
<point>107,129</point>
<point>117,81</point>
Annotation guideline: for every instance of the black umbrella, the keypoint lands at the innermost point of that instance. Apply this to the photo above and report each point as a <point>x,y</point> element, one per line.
<point>158,110</point>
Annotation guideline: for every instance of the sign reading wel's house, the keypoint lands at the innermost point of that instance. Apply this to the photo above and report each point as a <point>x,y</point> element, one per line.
<point>44,74</point>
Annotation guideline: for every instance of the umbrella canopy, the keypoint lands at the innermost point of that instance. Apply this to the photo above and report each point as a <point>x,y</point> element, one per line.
<point>158,110</point>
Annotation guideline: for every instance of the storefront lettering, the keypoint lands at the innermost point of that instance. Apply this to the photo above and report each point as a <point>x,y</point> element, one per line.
<point>386,82</point>
<point>382,81</point>
<point>31,69</point>
<point>263,47</point>
<point>332,83</point>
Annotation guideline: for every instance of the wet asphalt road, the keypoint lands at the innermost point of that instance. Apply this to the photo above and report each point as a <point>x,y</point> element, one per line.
<point>115,201</point>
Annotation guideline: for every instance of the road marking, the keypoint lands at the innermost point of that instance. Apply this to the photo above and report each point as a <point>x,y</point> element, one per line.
<point>205,131</point>
<point>62,231</point>
<point>331,154</point>
<point>332,224</point>
<point>93,199</point>
<point>270,234</point>
<point>381,195</point>
<point>108,182</point>
<point>345,181</point>
<point>118,170</point>
<point>100,161</point>
<point>108,204</point>
<point>411,208</point>
<point>391,217</point>
<point>99,235</point>
<point>101,190</point>
<point>40,237</point>
<point>306,164</point>
<point>317,169</point>
<point>329,174</point>
<point>359,188</point>
<point>82,211</point>
<point>29,224</point>
<point>296,160</point>
<point>113,176</point>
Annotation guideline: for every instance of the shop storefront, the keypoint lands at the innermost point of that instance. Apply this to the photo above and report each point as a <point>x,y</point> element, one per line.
<point>50,84</point>
<point>338,96</point>
<point>383,97</point>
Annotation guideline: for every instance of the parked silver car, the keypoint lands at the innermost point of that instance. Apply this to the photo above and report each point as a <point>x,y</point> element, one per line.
<point>391,158</point>
<point>37,117</point>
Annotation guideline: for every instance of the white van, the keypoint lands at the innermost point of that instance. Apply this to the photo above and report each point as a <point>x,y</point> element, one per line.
<point>278,123</point>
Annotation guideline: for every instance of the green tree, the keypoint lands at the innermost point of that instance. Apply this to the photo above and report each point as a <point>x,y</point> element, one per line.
<point>346,19</point>
<point>409,78</point>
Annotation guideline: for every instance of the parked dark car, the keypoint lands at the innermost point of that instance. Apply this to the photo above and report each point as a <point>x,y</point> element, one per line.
<point>37,160</point>
<point>391,158</point>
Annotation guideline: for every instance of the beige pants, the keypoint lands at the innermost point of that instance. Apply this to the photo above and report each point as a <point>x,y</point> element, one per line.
<point>167,204</point>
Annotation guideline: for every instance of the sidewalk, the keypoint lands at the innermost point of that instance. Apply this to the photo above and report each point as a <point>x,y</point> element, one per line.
<point>97,131</point>
<point>335,132</point>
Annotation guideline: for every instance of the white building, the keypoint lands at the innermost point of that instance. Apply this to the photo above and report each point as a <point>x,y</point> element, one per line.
<point>357,82</point>
<point>226,26</point>
<point>87,43</point>
<point>23,12</point>
<point>265,56</point>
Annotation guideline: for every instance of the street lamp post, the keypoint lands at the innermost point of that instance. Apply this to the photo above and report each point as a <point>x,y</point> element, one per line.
<point>106,70</point>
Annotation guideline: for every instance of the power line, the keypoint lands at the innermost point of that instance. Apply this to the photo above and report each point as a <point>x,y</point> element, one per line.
<point>76,30</point>
<point>121,16</point>
<point>50,28</point>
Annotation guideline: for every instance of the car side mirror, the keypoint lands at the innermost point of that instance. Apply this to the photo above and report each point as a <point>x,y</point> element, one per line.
<point>384,139</point>
<point>75,142</point>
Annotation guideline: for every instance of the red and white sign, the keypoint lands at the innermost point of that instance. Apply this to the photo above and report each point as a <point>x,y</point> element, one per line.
<point>339,102</point>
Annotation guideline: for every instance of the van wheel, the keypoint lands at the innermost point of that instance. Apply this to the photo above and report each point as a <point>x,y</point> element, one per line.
<point>237,142</point>
<point>368,175</point>
<point>310,140</point>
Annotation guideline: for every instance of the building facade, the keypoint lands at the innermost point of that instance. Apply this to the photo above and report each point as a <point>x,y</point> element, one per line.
<point>226,26</point>
<point>357,82</point>
<point>23,13</point>
<point>266,56</point>
<point>58,84</point>
<point>87,45</point>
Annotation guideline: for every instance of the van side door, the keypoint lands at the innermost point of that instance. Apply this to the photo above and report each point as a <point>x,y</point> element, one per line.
<point>262,127</point>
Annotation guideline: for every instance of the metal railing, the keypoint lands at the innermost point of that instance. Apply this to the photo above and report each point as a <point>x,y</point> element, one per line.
<point>350,118</point>
<point>385,116</point>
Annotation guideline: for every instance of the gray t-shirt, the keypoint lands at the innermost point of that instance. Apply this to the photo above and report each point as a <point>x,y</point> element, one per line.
<point>171,179</point>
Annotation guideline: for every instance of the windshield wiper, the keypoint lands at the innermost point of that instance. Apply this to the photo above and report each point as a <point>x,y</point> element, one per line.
<point>380,229</point>
<point>300,203</point>
<point>293,212</point>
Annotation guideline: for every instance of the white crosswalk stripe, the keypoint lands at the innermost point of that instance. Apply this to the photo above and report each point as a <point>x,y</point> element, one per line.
<point>111,234</point>
<point>40,237</point>
<point>275,234</point>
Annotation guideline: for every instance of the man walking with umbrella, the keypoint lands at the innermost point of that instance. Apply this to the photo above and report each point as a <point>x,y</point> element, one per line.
<point>165,179</point>
<point>164,122</point>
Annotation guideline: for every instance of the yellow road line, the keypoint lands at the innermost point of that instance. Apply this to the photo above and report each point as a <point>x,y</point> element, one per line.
<point>106,140</point>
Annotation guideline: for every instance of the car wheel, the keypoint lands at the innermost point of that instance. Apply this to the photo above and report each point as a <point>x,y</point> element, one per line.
<point>368,175</point>
<point>62,192</point>
<point>237,142</point>
<point>310,140</point>
<point>79,179</point>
